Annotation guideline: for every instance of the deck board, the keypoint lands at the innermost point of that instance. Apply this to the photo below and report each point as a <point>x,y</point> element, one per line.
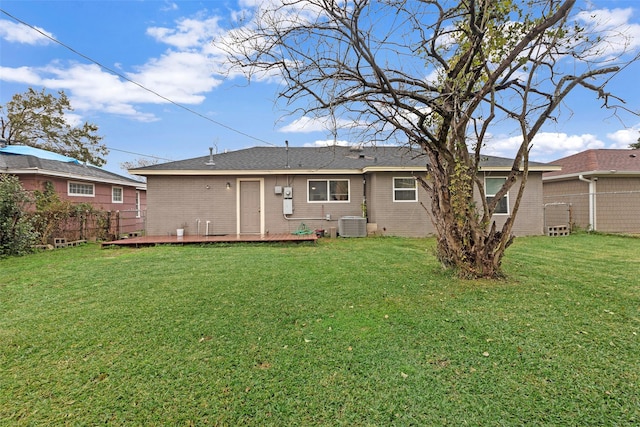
<point>192,239</point>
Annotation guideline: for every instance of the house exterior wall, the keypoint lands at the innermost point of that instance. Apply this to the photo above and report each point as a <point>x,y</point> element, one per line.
<point>618,205</point>
<point>412,219</point>
<point>617,202</point>
<point>395,218</point>
<point>102,198</point>
<point>190,201</point>
<point>314,215</point>
<point>530,218</point>
<point>179,201</point>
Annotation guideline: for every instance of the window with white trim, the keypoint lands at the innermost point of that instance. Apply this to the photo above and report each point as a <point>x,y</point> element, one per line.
<point>405,189</point>
<point>80,189</point>
<point>492,186</point>
<point>328,190</point>
<point>116,195</point>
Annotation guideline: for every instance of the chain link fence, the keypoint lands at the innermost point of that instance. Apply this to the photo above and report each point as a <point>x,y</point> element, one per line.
<point>605,211</point>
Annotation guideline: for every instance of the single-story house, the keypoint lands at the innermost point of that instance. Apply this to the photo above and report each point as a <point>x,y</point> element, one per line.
<point>77,182</point>
<point>278,189</point>
<point>596,190</point>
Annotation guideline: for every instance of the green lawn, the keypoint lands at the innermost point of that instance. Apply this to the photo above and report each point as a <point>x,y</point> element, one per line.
<point>343,332</point>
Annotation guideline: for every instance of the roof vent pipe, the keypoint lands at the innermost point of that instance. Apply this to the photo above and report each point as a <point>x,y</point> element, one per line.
<point>210,162</point>
<point>286,143</point>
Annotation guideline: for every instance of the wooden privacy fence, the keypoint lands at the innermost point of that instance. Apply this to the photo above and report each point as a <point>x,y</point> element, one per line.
<point>95,225</point>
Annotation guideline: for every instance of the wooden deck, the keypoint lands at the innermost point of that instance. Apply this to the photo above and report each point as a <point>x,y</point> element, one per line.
<point>229,238</point>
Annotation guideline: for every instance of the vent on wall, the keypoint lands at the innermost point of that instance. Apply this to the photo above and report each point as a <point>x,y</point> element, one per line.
<point>352,226</point>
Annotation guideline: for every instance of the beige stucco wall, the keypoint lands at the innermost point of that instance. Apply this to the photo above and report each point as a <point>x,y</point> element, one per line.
<point>618,205</point>
<point>313,215</point>
<point>174,201</point>
<point>177,200</point>
<point>617,202</point>
<point>412,219</point>
<point>396,218</point>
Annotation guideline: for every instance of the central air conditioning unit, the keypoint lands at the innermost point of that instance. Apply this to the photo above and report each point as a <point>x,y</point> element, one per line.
<point>352,226</point>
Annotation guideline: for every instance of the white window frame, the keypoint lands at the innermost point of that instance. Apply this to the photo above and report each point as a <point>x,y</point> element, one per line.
<point>137,204</point>
<point>328,182</point>
<point>489,196</point>
<point>414,189</point>
<point>84,185</point>
<point>113,198</point>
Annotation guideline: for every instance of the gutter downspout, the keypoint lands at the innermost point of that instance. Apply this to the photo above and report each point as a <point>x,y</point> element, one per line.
<point>592,200</point>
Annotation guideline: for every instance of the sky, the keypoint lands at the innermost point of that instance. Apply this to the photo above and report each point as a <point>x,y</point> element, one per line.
<point>144,72</point>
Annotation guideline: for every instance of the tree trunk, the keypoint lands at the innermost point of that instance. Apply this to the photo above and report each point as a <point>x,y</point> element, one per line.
<point>473,248</point>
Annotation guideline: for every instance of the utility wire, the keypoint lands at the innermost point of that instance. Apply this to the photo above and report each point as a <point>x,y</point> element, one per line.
<point>138,154</point>
<point>112,71</point>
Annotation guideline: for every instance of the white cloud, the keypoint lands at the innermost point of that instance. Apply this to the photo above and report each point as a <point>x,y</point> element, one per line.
<point>307,124</point>
<point>19,33</point>
<point>623,137</point>
<point>328,143</point>
<point>183,75</point>
<point>617,34</point>
<point>27,75</point>
<point>188,33</point>
<point>547,146</point>
<point>169,6</point>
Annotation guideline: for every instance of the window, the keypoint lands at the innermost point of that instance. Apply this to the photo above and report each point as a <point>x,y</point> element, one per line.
<point>137,204</point>
<point>491,188</point>
<point>405,190</point>
<point>80,189</point>
<point>329,190</point>
<point>116,195</point>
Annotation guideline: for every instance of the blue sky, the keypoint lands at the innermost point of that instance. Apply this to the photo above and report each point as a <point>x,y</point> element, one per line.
<point>164,46</point>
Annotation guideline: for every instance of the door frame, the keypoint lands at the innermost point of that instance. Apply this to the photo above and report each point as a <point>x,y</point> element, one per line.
<point>238,206</point>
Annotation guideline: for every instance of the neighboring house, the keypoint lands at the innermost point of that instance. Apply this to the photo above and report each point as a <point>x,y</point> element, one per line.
<point>596,190</point>
<point>77,182</point>
<point>276,189</point>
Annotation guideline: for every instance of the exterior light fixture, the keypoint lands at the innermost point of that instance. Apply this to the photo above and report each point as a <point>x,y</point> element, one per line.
<point>228,185</point>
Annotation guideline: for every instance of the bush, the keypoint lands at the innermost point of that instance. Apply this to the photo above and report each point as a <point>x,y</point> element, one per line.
<point>56,217</point>
<point>16,231</point>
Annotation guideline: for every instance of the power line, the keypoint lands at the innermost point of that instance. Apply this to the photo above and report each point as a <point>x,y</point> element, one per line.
<point>138,154</point>
<point>112,71</point>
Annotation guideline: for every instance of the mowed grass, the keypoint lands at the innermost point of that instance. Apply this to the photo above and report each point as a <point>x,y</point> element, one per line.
<point>344,332</point>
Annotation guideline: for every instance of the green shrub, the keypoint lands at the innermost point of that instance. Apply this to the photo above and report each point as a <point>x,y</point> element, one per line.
<point>16,231</point>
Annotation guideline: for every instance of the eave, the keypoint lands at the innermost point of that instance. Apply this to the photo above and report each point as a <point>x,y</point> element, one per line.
<point>263,172</point>
<point>592,174</point>
<point>542,168</point>
<point>73,176</point>
<point>245,172</point>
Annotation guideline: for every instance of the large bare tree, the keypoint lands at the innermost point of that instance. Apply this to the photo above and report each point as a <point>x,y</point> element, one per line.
<point>438,75</point>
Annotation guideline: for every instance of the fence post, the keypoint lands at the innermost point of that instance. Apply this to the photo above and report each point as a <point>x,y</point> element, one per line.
<point>118,231</point>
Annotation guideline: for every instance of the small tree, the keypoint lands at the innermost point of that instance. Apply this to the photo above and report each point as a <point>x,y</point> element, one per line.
<point>138,163</point>
<point>38,119</point>
<point>16,231</point>
<point>438,75</point>
<point>56,217</point>
<point>635,145</point>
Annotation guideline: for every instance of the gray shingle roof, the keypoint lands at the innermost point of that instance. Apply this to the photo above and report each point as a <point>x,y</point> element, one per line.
<point>333,158</point>
<point>599,160</point>
<point>20,163</point>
